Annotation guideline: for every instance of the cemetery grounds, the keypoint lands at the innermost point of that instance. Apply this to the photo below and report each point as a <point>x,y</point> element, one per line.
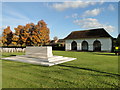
<point>90,70</point>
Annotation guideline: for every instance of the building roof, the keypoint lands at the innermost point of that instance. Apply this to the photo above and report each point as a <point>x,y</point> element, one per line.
<point>92,33</point>
<point>58,41</point>
<point>61,40</point>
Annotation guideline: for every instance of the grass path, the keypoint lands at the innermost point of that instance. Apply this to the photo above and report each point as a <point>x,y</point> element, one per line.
<point>90,70</point>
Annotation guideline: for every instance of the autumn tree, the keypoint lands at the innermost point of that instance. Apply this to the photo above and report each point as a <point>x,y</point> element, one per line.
<point>7,36</point>
<point>15,40</point>
<point>43,31</point>
<point>32,34</point>
<point>19,32</point>
<point>29,33</point>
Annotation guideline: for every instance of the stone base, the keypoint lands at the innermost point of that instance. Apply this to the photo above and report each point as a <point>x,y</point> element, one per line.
<point>40,61</point>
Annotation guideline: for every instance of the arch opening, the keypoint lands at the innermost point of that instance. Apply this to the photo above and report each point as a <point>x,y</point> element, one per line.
<point>97,46</point>
<point>74,45</point>
<point>84,46</point>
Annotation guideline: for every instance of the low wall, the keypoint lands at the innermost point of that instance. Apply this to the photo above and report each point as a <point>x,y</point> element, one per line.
<point>12,50</point>
<point>58,48</point>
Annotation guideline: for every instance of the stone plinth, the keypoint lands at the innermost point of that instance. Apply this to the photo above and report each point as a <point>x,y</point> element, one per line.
<point>40,56</point>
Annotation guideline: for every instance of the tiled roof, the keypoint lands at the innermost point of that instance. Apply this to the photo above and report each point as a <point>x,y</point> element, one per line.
<point>92,33</point>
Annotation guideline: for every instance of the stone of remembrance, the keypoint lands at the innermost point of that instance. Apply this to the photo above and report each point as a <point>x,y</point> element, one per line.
<point>40,56</point>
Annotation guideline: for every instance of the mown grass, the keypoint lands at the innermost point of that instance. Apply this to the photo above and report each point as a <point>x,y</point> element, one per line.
<point>90,70</point>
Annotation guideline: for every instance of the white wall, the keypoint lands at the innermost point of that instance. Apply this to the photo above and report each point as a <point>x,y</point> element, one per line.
<point>12,50</point>
<point>106,43</point>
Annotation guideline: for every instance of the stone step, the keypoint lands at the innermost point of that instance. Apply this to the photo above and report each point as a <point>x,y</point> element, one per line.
<point>51,59</point>
<point>39,57</point>
<point>35,56</point>
<point>64,60</point>
<point>39,61</point>
<point>27,60</point>
<point>57,59</point>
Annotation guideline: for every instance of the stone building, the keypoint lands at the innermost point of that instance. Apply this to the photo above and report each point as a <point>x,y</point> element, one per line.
<point>89,40</point>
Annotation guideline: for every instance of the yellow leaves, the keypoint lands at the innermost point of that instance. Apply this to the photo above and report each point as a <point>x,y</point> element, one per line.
<point>14,43</point>
<point>32,24</point>
<point>16,29</point>
<point>15,38</point>
<point>20,27</point>
<point>7,36</point>
<point>4,39</point>
<point>30,33</point>
<point>7,30</point>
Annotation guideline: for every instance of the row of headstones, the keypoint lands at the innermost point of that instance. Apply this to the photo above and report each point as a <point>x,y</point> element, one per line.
<point>12,49</point>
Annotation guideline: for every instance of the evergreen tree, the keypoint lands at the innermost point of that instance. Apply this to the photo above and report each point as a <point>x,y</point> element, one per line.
<point>118,40</point>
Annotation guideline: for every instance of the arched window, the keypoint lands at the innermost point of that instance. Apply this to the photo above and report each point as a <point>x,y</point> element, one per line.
<point>84,46</point>
<point>97,45</point>
<point>74,45</point>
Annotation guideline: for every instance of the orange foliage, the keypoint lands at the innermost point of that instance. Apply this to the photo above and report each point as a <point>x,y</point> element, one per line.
<point>7,36</point>
<point>30,34</point>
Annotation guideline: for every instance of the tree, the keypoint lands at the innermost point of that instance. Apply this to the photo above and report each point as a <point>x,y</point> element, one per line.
<point>19,32</point>
<point>55,38</point>
<point>32,34</point>
<point>44,32</point>
<point>15,39</point>
<point>118,40</point>
<point>7,36</point>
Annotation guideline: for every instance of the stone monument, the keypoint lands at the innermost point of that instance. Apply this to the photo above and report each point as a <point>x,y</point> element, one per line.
<point>41,56</point>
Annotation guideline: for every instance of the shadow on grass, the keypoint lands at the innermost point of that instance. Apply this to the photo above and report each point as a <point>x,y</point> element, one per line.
<point>112,54</point>
<point>8,55</point>
<point>108,54</point>
<point>89,70</point>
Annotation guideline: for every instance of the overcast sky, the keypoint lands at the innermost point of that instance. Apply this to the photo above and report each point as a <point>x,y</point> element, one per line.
<point>63,17</point>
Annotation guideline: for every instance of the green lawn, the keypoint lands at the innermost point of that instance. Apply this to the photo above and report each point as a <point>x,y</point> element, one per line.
<point>90,70</point>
